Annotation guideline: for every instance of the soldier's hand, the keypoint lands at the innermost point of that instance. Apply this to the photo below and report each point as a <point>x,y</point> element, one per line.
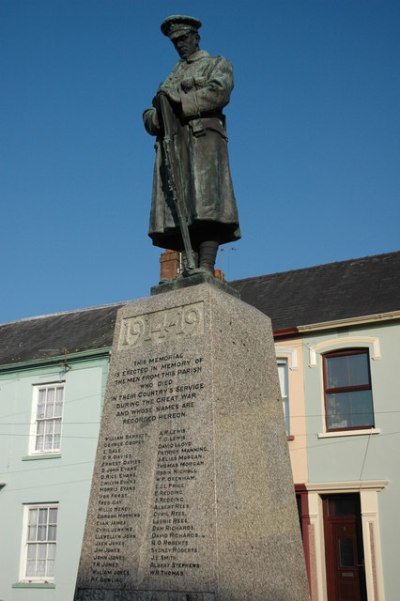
<point>151,122</point>
<point>193,83</point>
<point>172,94</point>
<point>187,84</point>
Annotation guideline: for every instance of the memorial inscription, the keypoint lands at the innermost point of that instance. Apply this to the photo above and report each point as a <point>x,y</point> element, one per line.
<point>174,323</point>
<point>157,388</point>
<point>152,442</point>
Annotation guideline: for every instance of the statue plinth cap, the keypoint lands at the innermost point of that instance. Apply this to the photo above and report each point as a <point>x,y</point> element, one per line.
<point>177,25</point>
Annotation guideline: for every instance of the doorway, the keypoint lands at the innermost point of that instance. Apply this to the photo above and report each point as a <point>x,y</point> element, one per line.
<point>344,553</point>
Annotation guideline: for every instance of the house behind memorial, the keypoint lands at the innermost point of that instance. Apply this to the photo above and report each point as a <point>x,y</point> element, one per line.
<point>337,338</point>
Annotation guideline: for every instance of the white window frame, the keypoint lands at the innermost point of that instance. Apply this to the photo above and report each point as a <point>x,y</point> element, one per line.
<point>283,368</point>
<point>36,419</point>
<point>49,541</point>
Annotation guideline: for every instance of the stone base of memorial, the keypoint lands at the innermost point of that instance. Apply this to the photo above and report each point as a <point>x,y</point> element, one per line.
<point>192,495</point>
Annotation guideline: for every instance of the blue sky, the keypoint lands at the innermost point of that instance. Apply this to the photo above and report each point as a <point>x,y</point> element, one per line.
<point>314,138</point>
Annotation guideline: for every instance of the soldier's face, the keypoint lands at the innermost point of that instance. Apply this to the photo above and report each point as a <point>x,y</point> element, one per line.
<point>186,44</point>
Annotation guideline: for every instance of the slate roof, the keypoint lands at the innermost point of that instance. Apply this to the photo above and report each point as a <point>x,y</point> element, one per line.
<point>345,289</point>
<point>54,335</point>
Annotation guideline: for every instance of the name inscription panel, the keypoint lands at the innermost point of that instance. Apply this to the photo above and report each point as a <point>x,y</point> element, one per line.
<point>152,514</point>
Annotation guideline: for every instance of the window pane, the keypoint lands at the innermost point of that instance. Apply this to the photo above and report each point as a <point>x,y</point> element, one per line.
<point>53,515</point>
<point>283,382</point>
<point>40,427</point>
<point>43,513</point>
<point>33,517</point>
<point>337,415</point>
<point>58,409</point>
<point>41,568</point>
<point>52,533</point>
<point>282,372</point>
<point>51,552</point>
<point>347,370</point>
<point>285,406</point>
<point>41,403</point>
<point>49,426</point>
<point>51,555</point>
<point>346,552</point>
<point>349,409</point>
<point>48,442</point>
<point>39,443</point>
<point>50,408</point>
<point>362,413</point>
<point>344,505</point>
<point>50,569</point>
<point>32,533</point>
<point>31,560</point>
<point>31,552</point>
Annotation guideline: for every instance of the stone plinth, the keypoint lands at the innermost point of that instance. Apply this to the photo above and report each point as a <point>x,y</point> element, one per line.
<point>192,496</point>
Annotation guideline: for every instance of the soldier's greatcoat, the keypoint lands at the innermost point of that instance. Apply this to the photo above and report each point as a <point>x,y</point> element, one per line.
<point>198,88</point>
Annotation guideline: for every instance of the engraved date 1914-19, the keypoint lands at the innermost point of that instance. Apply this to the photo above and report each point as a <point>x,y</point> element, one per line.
<point>178,322</point>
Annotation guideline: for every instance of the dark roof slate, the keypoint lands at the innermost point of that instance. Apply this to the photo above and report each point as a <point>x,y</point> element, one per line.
<point>345,289</point>
<point>54,335</point>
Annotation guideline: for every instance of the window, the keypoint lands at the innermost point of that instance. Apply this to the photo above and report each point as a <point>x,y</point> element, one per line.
<point>348,394</point>
<point>283,381</point>
<point>47,418</point>
<point>39,544</point>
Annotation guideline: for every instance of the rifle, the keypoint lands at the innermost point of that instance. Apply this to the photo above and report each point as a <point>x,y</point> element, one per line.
<point>164,111</point>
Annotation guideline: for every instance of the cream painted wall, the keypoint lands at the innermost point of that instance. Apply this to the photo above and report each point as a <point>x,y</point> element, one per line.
<point>293,351</point>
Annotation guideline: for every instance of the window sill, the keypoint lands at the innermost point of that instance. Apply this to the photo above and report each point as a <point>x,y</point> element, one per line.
<point>41,456</point>
<point>341,433</point>
<point>33,585</point>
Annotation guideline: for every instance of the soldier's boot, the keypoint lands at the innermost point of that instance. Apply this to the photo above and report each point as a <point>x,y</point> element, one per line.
<point>207,255</point>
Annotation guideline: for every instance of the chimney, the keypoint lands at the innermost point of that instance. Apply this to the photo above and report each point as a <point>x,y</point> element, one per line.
<point>171,266</point>
<point>170,263</point>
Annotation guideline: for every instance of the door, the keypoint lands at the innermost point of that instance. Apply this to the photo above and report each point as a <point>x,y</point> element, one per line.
<point>343,548</point>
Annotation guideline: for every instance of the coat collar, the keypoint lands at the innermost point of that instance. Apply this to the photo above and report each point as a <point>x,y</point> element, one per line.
<point>196,56</point>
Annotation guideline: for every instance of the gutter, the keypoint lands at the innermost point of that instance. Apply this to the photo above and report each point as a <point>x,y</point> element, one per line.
<point>51,360</point>
<point>336,323</point>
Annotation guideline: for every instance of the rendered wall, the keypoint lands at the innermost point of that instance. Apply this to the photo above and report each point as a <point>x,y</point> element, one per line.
<point>366,457</point>
<point>65,478</point>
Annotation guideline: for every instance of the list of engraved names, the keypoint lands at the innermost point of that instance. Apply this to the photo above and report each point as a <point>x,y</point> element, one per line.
<point>153,401</point>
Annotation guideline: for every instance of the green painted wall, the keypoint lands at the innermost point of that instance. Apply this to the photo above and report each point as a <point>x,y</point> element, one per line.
<point>64,479</point>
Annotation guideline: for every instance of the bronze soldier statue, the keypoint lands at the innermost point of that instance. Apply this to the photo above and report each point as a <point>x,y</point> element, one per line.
<point>193,204</point>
